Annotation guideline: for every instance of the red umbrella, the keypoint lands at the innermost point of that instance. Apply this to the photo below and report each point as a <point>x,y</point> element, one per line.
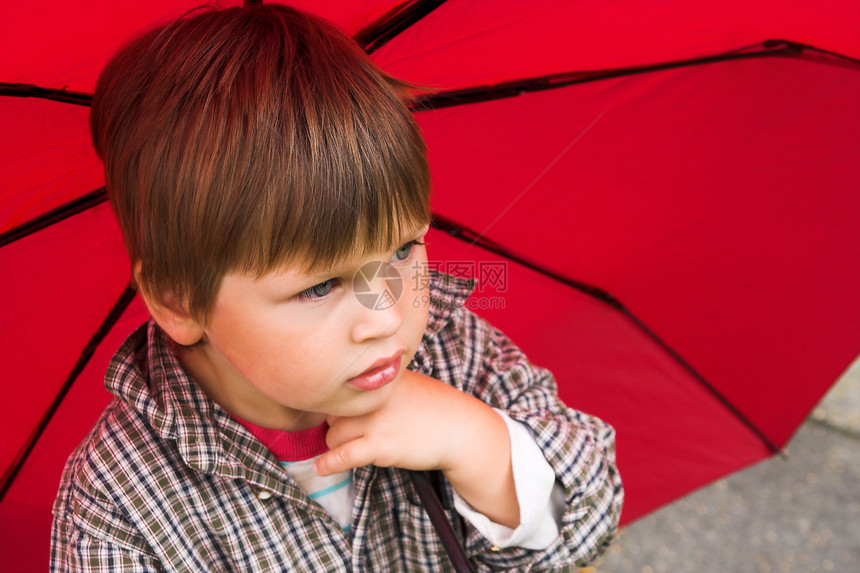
<point>662,200</point>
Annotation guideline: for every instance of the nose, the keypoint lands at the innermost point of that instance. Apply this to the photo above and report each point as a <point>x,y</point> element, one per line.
<point>376,323</point>
<point>377,313</point>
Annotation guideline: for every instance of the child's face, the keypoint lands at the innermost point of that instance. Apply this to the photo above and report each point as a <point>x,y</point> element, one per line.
<point>283,350</point>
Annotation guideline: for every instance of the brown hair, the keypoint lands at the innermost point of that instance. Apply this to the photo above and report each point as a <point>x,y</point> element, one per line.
<point>247,139</point>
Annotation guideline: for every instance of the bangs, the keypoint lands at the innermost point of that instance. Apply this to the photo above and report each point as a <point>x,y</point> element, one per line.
<point>346,170</point>
<point>359,210</point>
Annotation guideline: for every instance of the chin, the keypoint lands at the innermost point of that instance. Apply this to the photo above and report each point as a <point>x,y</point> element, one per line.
<point>369,401</point>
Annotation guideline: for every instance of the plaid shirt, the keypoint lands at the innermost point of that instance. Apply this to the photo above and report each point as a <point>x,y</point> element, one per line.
<point>167,480</point>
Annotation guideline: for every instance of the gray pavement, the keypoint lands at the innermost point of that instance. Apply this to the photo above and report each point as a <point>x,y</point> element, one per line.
<point>784,515</point>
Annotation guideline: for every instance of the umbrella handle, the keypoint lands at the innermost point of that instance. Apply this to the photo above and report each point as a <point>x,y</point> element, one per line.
<point>421,483</point>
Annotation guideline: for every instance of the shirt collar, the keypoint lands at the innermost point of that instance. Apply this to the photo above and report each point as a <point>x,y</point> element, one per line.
<point>447,294</point>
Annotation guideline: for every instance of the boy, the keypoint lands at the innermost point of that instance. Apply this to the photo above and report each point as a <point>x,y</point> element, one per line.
<point>257,161</point>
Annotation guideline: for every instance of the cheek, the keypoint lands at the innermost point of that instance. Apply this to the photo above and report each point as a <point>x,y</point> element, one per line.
<point>261,350</point>
<point>417,310</point>
<point>309,350</point>
<point>287,369</point>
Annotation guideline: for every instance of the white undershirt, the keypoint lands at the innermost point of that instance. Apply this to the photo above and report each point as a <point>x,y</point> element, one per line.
<point>540,497</point>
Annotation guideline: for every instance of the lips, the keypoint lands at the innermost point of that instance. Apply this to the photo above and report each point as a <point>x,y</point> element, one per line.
<point>380,373</point>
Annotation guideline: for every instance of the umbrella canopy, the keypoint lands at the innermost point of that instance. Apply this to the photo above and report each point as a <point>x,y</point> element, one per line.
<point>662,200</point>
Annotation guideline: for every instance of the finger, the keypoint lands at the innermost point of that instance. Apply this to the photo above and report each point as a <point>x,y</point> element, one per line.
<point>350,455</point>
<point>343,430</point>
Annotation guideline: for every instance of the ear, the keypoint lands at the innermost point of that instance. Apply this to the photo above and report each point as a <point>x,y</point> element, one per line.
<point>170,313</point>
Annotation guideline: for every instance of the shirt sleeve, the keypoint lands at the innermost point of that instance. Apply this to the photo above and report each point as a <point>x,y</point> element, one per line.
<point>540,497</point>
<point>579,448</point>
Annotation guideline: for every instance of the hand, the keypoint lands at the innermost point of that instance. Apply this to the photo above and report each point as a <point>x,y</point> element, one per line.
<point>419,427</point>
<point>427,424</point>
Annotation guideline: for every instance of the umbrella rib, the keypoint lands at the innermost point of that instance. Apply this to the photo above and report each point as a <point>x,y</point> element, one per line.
<point>514,88</point>
<point>774,449</point>
<point>386,28</point>
<point>61,95</point>
<point>110,320</point>
<point>463,233</point>
<point>56,215</point>
<point>377,34</point>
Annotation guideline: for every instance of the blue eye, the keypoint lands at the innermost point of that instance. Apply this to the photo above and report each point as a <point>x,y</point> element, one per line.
<point>403,252</point>
<point>317,291</point>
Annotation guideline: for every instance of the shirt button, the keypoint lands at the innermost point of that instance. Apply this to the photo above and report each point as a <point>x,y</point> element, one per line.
<point>263,495</point>
<point>494,548</point>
